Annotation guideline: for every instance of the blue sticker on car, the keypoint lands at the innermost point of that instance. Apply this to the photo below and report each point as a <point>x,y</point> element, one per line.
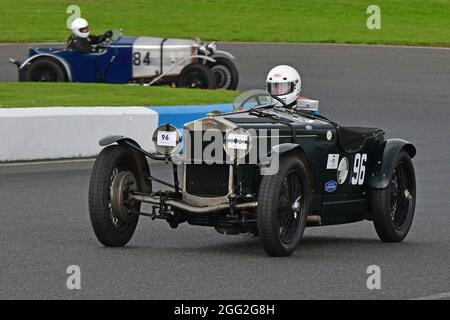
<point>331,186</point>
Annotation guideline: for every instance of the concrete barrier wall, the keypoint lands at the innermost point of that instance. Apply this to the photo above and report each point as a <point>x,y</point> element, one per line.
<point>53,133</point>
<point>66,132</point>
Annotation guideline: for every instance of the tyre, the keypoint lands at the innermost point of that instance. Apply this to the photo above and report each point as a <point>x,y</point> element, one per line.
<point>226,73</point>
<point>113,218</point>
<point>283,206</point>
<point>392,208</point>
<point>197,76</point>
<point>45,70</point>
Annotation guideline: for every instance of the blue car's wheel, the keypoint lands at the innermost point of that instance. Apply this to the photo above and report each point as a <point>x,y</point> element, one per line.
<point>45,70</point>
<point>226,73</point>
<point>197,76</point>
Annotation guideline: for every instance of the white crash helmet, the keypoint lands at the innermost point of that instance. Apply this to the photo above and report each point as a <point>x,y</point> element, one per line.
<point>80,28</point>
<point>285,83</point>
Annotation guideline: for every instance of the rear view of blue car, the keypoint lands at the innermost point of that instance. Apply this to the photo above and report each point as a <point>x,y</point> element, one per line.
<point>145,60</point>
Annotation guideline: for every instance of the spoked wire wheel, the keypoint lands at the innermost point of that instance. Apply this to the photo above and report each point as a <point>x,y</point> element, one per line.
<point>392,208</point>
<point>283,206</point>
<point>113,216</point>
<point>291,208</point>
<point>400,196</point>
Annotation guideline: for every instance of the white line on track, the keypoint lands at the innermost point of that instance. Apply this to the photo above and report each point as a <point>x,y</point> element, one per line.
<point>28,163</point>
<point>439,296</point>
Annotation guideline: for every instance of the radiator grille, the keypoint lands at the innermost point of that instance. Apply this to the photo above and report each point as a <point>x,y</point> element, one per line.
<point>207,180</point>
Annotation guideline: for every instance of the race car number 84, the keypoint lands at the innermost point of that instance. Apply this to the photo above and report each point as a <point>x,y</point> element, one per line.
<point>167,138</point>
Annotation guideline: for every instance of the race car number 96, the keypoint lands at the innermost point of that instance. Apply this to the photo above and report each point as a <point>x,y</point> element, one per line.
<point>167,138</point>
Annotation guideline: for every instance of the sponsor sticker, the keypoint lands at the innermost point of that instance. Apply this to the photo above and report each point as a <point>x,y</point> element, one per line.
<point>331,186</point>
<point>333,161</point>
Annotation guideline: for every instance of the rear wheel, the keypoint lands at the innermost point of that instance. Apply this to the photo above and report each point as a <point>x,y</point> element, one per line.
<point>113,177</point>
<point>393,207</point>
<point>283,206</point>
<point>197,76</point>
<point>226,73</point>
<point>45,70</point>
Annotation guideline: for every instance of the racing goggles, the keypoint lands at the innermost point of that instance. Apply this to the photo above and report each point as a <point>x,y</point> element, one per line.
<point>280,88</point>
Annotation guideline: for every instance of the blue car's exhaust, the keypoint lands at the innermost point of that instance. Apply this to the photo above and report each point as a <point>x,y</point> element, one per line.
<point>16,62</point>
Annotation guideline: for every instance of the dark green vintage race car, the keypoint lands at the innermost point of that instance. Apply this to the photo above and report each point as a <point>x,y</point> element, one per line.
<point>264,170</point>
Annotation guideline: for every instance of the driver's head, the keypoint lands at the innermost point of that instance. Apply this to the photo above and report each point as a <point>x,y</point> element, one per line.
<point>285,83</point>
<point>80,28</point>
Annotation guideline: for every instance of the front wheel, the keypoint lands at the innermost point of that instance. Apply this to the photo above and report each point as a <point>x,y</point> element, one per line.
<point>393,207</point>
<point>283,206</point>
<point>197,76</point>
<point>45,70</point>
<point>226,73</point>
<point>114,176</point>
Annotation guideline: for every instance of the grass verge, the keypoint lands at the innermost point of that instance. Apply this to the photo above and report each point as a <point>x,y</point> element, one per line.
<point>409,22</point>
<point>80,94</point>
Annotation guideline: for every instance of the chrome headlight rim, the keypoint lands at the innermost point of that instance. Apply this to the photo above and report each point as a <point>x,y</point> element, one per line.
<point>174,137</point>
<point>235,140</point>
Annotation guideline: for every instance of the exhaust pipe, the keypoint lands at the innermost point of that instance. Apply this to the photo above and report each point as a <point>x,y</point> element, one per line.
<point>16,62</point>
<point>185,207</point>
<point>313,219</point>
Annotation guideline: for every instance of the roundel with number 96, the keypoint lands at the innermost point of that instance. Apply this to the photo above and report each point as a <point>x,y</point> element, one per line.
<point>359,169</point>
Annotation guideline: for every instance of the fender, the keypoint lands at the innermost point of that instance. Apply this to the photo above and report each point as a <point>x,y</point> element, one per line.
<point>224,53</point>
<point>138,155</point>
<point>281,149</point>
<point>62,61</point>
<point>380,175</point>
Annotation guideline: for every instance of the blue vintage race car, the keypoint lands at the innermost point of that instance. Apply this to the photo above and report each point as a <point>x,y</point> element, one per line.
<point>146,60</point>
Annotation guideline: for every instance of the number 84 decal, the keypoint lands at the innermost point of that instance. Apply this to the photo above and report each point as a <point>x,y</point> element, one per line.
<point>359,169</point>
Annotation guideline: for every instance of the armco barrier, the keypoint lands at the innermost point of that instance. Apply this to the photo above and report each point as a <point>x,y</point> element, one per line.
<point>73,132</point>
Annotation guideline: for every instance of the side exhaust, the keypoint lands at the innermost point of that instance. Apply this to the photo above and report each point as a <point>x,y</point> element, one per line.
<point>312,220</point>
<point>16,62</point>
<point>185,207</point>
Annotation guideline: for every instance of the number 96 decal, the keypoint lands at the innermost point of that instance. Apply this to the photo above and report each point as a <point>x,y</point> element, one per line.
<point>359,169</point>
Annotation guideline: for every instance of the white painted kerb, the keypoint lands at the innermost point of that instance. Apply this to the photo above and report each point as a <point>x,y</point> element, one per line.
<point>53,133</point>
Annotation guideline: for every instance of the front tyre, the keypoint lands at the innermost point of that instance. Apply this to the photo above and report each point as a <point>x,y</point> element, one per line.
<point>226,73</point>
<point>44,70</point>
<point>197,76</point>
<point>283,206</point>
<point>113,217</point>
<point>393,207</point>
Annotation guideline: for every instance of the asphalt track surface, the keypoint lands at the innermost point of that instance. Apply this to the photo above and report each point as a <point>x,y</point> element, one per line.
<point>45,225</point>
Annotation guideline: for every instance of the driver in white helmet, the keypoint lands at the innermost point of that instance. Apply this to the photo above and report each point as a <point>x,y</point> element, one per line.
<point>81,39</point>
<point>285,83</point>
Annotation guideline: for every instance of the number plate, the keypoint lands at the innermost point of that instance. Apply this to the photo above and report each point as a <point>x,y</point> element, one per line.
<point>167,139</point>
<point>237,141</point>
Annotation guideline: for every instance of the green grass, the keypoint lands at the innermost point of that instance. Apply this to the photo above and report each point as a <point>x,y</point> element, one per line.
<point>410,22</point>
<point>77,94</point>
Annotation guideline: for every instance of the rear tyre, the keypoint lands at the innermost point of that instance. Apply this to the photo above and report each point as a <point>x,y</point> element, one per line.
<point>113,218</point>
<point>45,70</point>
<point>226,73</point>
<point>197,76</point>
<point>283,206</point>
<point>393,207</point>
